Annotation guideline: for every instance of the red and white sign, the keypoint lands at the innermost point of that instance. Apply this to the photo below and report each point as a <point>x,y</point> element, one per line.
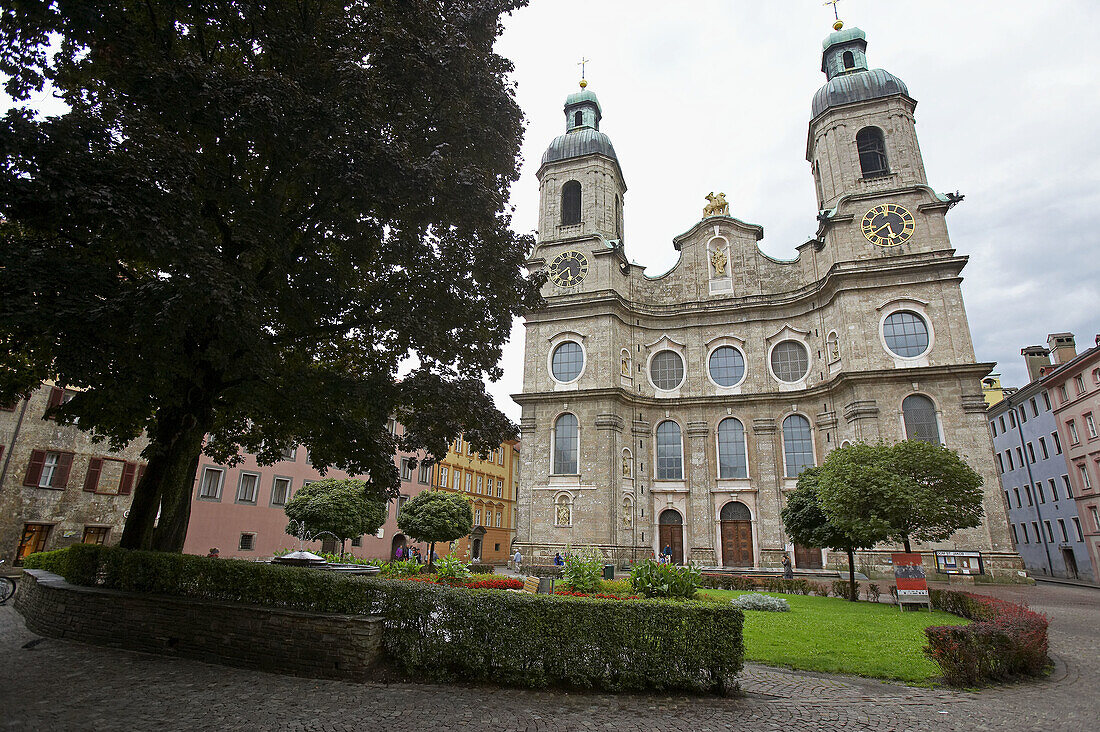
<point>910,579</point>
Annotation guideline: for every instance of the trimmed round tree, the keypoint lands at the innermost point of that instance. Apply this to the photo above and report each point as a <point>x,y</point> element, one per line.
<point>342,508</point>
<point>436,516</point>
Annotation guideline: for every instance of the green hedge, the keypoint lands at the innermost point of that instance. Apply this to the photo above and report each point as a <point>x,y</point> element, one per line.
<point>442,633</point>
<point>762,583</point>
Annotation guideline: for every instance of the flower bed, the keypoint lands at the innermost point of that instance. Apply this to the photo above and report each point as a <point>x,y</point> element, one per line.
<point>1005,640</point>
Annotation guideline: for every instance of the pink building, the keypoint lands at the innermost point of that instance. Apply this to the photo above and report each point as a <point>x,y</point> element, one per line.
<point>239,510</point>
<point>1074,385</point>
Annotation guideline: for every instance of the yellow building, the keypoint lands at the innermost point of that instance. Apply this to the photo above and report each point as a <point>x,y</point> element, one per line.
<point>490,487</point>
<point>993,391</point>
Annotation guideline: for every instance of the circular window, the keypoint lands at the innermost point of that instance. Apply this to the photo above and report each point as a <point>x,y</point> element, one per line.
<point>567,361</point>
<point>667,370</point>
<point>790,362</point>
<point>906,333</point>
<point>727,366</point>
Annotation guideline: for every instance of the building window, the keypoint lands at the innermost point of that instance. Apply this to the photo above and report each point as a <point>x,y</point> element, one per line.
<point>1008,454</point>
<point>1038,536</point>
<point>1077,528</point>
<point>1023,415</point>
<point>1090,425</point>
<point>1065,484</point>
<point>571,203</point>
<point>33,540</point>
<point>49,469</point>
<point>477,517</point>
<point>500,488</point>
<point>290,453</point>
<point>480,483</point>
<point>849,60</point>
<point>1085,482</point>
<point>1023,528</point>
<point>727,366</point>
<point>1095,518</point>
<point>1063,393</point>
<point>578,119</point>
<point>732,460</point>
<point>1015,537</point>
<point>500,456</point>
<point>95,535</point>
<point>1020,457</point>
<point>1072,427</point>
<point>499,517</point>
<point>469,482</point>
<point>1040,492</point>
<point>1046,401</point>
<point>247,486</point>
<point>1012,419</point>
<point>1057,443</point>
<point>247,543</point>
<point>210,486</point>
<point>993,428</point>
<point>425,473</point>
<point>1053,489</point>
<point>790,361</point>
<point>457,485</point>
<point>280,491</point>
<point>905,333</point>
<point>567,361</point>
<point>1079,383</point>
<point>1050,532</point>
<point>1043,447</point>
<point>357,541</point>
<point>563,510</point>
<point>1027,491</point>
<point>1017,492</point>
<point>1000,464</point>
<point>1062,529</point>
<point>670,452</point>
<point>1030,453</point>
<point>919,414</point>
<point>872,152</point>
<point>458,445</point>
<point>566,445</point>
<point>667,370</point>
<point>1034,407</point>
<point>798,447</point>
<point>1002,421</point>
<point>443,476</point>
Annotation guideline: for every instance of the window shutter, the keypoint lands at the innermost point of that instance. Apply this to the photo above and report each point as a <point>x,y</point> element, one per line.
<point>61,475</point>
<point>91,480</point>
<point>34,469</point>
<point>127,484</point>
<point>56,396</point>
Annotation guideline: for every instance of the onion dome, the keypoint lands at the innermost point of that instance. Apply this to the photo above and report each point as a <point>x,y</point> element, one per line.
<point>582,130</point>
<point>844,62</point>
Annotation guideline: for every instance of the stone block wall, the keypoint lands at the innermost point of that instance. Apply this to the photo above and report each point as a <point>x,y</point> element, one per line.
<point>317,645</point>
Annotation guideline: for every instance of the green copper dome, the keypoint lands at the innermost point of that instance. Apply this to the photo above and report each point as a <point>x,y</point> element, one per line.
<point>584,95</point>
<point>843,36</point>
<point>582,130</point>
<point>851,80</point>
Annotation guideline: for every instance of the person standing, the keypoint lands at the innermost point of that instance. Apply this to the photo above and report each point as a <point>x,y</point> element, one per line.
<point>517,560</point>
<point>788,570</point>
<point>667,553</point>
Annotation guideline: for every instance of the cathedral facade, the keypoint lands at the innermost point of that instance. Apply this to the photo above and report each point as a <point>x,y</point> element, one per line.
<point>677,411</point>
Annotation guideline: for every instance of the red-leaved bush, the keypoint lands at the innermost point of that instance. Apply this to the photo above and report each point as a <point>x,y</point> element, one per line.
<point>1004,640</point>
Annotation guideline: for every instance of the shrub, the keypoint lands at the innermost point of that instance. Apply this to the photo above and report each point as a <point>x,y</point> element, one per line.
<point>621,587</point>
<point>873,592</point>
<point>765,603</point>
<point>719,581</point>
<point>844,589</point>
<point>439,632</point>
<point>481,569</point>
<point>820,589</point>
<point>1005,640</point>
<point>654,579</point>
<point>583,570</point>
<point>450,568</point>
<point>401,568</point>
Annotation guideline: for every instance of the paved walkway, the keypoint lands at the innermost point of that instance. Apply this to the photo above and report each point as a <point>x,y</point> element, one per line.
<point>57,685</point>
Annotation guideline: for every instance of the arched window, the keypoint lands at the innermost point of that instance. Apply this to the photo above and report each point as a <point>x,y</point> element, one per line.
<point>566,445</point>
<point>670,452</point>
<point>872,152</point>
<point>732,462</point>
<point>798,445</point>
<point>735,511</point>
<point>920,419</point>
<point>849,60</point>
<point>563,510</point>
<point>571,203</point>
<point>578,119</point>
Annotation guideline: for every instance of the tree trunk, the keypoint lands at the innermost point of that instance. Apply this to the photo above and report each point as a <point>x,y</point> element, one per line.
<point>166,485</point>
<point>342,550</point>
<point>853,589</point>
<point>431,557</point>
<point>905,542</point>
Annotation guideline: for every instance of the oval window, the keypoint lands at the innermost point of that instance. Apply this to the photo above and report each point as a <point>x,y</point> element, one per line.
<point>727,366</point>
<point>905,333</point>
<point>790,361</point>
<point>667,370</point>
<point>567,361</point>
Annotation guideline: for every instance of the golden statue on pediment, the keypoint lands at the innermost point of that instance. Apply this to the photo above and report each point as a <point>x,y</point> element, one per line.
<point>716,205</point>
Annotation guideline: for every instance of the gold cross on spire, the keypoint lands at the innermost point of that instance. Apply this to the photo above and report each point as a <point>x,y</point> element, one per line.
<point>839,23</point>
<point>583,61</point>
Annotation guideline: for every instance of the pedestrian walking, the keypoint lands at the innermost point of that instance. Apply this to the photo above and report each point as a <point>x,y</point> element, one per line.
<point>517,560</point>
<point>788,570</point>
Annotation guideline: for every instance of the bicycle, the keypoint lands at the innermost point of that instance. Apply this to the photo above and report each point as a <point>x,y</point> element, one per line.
<point>7,588</point>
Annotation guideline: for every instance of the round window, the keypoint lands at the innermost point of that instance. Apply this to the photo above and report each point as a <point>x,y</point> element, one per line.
<point>667,370</point>
<point>567,361</point>
<point>905,333</point>
<point>727,366</point>
<point>790,362</point>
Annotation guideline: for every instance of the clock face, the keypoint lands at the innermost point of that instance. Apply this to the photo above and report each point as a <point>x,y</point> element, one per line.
<point>568,269</point>
<point>888,225</point>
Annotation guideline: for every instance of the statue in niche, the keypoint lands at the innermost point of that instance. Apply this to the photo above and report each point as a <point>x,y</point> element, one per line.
<point>624,367</point>
<point>832,345</point>
<point>626,465</point>
<point>718,261</point>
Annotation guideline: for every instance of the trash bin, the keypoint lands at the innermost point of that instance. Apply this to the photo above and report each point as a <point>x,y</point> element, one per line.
<point>609,571</point>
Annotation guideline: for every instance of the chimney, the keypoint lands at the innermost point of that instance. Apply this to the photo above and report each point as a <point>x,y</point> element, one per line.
<point>1037,359</point>
<point>1062,346</point>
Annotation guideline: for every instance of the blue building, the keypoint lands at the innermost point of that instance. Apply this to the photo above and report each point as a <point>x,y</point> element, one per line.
<point>1034,477</point>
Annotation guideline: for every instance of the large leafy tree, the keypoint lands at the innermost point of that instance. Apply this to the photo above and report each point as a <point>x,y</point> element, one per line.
<point>342,508</point>
<point>911,490</point>
<point>807,523</point>
<point>433,516</point>
<point>249,217</point>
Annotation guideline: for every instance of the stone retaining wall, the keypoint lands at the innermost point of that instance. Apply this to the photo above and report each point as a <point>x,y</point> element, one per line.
<point>260,638</point>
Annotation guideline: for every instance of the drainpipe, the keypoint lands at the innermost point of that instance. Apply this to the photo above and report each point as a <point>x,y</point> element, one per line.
<point>11,444</point>
<point>1031,483</point>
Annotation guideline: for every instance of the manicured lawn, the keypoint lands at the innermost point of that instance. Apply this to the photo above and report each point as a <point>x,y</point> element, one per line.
<point>836,636</point>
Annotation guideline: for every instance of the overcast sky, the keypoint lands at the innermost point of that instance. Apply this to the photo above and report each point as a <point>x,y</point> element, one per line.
<point>715,96</point>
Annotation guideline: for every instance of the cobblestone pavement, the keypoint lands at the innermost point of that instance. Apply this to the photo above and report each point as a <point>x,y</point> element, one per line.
<point>49,684</point>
